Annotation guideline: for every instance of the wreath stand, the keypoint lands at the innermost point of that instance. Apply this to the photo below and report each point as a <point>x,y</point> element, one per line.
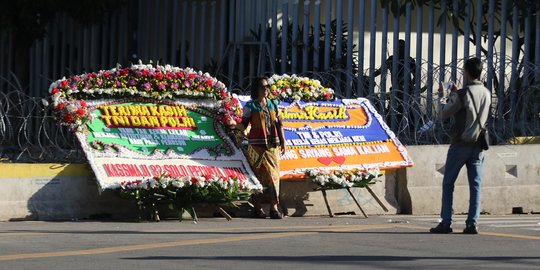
<point>323,190</point>
<point>224,213</point>
<point>191,211</point>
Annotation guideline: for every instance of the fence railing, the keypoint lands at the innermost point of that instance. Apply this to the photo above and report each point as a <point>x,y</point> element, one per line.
<point>352,46</point>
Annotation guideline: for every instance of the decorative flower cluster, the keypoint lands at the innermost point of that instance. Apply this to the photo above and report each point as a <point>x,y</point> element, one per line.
<point>343,179</point>
<point>180,193</point>
<point>231,109</point>
<point>293,88</point>
<point>141,82</point>
<point>199,182</point>
<point>72,113</point>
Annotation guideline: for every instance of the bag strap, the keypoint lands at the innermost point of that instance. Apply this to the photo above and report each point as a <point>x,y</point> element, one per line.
<point>475,109</point>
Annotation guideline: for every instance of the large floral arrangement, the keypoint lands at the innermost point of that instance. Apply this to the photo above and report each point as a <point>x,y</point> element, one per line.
<point>343,179</point>
<point>138,82</point>
<point>294,88</point>
<point>74,112</point>
<point>180,193</point>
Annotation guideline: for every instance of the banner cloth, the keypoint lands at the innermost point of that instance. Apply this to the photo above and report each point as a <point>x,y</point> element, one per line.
<point>344,134</point>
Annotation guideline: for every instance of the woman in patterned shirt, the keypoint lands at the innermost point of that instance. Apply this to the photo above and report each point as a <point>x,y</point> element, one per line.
<point>264,139</point>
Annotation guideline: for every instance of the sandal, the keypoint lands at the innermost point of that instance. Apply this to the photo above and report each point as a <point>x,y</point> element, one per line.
<point>259,213</point>
<point>275,215</point>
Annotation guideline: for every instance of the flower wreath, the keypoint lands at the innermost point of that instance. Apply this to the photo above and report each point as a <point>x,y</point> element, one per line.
<point>343,179</point>
<point>294,88</point>
<point>137,82</point>
<point>180,193</point>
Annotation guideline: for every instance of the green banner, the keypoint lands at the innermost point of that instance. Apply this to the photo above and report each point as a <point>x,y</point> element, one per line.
<point>148,127</point>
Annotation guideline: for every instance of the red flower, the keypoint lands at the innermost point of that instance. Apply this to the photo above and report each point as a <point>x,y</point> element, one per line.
<point>180,74</point>
<point>60,106</point>
<point>80,112</point>
<point>328,95</point>
<point>124,72</point>
<point>223,94</point>
<point>145,72</point>
<point>55,91</point>
<point>169,75</point>
<point>226,119</point>
<point>194,180</point>
<point>106,74</point>
<point>64,83</point>
<point>227,106</point>
<point>234,100</point>
<point>68,118</point>
<point>209,83</point>
<point>191,76</point>
<point>159,75</point>
<point>83,103</point>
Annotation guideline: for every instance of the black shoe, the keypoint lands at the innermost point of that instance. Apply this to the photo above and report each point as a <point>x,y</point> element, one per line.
<point>470,229</point>
<point>259,213</point>
<point>275,215</point>
<point>441,228</point>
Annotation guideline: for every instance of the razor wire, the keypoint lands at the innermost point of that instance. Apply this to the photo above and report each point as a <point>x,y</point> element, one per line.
<point>29,133</point>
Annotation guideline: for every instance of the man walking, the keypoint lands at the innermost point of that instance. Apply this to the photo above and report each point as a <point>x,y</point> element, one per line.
<point>470,108</point>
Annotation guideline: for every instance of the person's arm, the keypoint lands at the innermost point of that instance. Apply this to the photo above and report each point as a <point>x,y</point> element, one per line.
<point>412,66</point>
<point>246,118</point>
<point>281,135</point>
<point>241,127</point>
<point>378,71</point>
<point>449,105</point>
<point>279,126</point>
<point>237,126</point>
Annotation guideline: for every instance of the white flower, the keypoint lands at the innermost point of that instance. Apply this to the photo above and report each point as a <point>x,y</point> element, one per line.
<point>71,107</point>
<point>152,183</point>
<point>164,181</point>
<point>178,184</point>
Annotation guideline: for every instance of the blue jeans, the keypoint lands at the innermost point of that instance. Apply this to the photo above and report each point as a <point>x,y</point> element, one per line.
<point>473,158</point>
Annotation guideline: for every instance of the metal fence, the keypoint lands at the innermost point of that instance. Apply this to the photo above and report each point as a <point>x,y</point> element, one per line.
<point>346,44</point>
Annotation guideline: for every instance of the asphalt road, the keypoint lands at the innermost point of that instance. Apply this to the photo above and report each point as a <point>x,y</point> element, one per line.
<point>346,242</point>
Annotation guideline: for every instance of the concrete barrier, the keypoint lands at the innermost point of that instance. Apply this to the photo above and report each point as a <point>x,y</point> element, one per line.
<point>55,192</point>
<point>511,179</point>
<point>69,191</point>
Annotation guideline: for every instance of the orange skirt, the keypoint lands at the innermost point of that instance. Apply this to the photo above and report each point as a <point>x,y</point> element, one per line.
<point>265,164</point>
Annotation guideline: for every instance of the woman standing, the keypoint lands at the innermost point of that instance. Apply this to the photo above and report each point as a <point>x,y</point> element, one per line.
<point>265,136</point>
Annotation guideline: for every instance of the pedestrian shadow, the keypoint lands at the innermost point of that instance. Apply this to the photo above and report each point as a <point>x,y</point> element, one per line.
<point>201,232</point>
<point>344,259</point>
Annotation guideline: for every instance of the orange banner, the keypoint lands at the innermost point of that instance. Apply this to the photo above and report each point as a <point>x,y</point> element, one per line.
<point>337,135</point>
